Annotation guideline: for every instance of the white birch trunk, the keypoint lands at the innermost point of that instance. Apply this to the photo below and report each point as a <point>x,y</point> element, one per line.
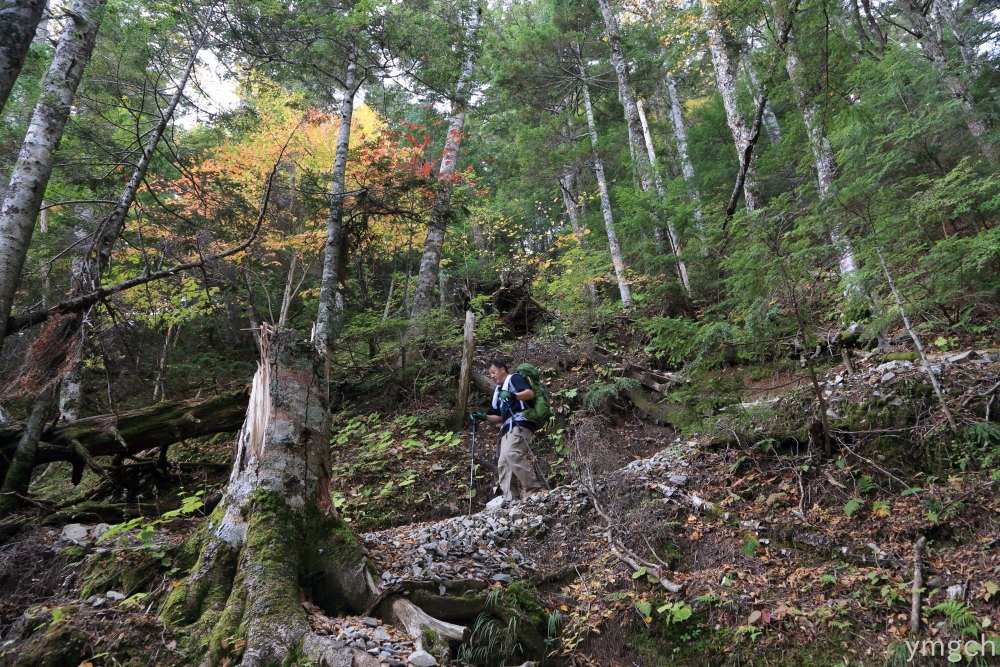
<point>330,299</point>
<point>34,163</point>
<point>944,9</point>
<point>680,141</point>
<point>935,52</point>
<point>823,158</point>
<point>570,201</point>
<point>675,244</point>
<point>427,274</point>
<point>18,22</point>
<point>627,97</point>
<point>602,186</point>
<point>725,79</point>
<point>768,117</point>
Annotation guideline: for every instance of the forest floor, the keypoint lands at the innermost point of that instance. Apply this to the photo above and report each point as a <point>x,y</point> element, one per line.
<point>774,554</point>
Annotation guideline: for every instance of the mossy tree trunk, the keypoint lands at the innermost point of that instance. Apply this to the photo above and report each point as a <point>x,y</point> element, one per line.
<point>275,538</point>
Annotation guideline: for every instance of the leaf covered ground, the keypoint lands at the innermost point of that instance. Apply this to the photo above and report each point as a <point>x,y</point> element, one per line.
<point>777,554</point>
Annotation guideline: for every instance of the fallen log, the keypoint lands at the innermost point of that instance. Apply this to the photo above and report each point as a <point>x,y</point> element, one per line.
<point>128,433</point>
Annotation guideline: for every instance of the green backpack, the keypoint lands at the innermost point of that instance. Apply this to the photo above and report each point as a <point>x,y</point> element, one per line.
<point>541,411</point>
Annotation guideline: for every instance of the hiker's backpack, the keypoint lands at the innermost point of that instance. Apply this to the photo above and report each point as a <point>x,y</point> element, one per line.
<point>541,411</point>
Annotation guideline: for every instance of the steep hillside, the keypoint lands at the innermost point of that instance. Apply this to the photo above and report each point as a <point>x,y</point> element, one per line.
<point>738,543</point>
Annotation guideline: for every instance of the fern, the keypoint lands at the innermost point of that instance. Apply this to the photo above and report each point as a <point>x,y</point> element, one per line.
<point>959,616</point>
<point>601,393</point>
<point>866,484</point>
<point>853,505</point>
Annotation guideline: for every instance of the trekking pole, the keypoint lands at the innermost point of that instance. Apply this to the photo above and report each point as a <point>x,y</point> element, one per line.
<point>538,469</point>
<point>472,463</point>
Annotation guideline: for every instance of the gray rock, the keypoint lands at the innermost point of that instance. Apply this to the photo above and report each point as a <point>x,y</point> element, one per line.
<point>421,659</point>
<point>678,479</point>
<point>499,576</point>
<point>115,596</point>
<point>76,533</point>
<point>888,376</point>
<point>370,622</point>
<point>494,504</point>
<point>380,635</point>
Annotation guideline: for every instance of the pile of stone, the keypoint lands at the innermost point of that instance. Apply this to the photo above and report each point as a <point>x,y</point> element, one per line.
<point>385,643</point>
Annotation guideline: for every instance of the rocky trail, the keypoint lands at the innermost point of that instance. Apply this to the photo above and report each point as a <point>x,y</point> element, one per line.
<point>713,550</point>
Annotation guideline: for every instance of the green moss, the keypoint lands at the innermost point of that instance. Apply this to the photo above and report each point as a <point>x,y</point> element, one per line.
<point>128,572</point>
<point>58,644</point>
<point>901,356</point>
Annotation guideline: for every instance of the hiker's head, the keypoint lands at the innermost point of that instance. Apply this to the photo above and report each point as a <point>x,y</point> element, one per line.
<point>498,370</point>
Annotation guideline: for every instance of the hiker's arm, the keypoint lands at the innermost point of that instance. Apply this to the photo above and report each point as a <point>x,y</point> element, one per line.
<point>521,389</point>
<point>493,419</point>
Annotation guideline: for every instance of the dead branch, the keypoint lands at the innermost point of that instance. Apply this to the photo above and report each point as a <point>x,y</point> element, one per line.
<point>918,585</point>
<point>129,433</point>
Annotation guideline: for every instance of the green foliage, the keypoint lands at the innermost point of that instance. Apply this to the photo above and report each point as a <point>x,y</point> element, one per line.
<point>600,394</point>
<point>141,531</point>
<point>979,448</point>
<point>959,616</point>
<point>853,505</point>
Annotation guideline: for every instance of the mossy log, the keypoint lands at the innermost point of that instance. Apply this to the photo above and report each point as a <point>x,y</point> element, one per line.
<point>128,433</point>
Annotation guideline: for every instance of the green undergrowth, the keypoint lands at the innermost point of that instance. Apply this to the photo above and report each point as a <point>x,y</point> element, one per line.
<point>396,470</point>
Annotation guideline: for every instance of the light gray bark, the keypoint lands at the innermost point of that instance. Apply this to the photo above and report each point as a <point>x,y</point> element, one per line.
<point>823,158</point>
<point>331,304</point>
<point>680,141</point>
<point>627,97</point>
<point>570,201</point>
<point>641,144</point>
<point>944,9</point>
<point>725,79</point>
<point>427,274</point>
<point>675,244</point>
<point>18,23</point>
<point>770,120</point>
<point>602,186</point>
<point>934,51</point>
<point>34,163</point>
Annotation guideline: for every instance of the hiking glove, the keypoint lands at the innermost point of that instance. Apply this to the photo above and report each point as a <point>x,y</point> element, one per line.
<point>505,395</point>
<point>478,416</point>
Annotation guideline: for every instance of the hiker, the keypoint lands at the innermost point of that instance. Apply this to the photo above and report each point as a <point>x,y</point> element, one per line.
<point>512,396</point>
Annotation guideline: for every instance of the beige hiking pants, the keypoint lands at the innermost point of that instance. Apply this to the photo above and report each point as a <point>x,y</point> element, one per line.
<point>517,475</point>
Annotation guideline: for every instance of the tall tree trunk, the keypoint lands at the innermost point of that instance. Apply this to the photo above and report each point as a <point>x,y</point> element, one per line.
<point>627,96</point>
<point>944,9</point>
<point>823,158</point>
<point>330,299</point>
<point>275,532</point>
<point>18,477</point>
<point>571,199</point>
<point>770,119</point>
<point>427,274</point>
<point>18,23</point>
<point>642,148</point>
<point>680,140</point>
<point>602,187</point>
<point>921,28</point>
<point>34,163</point>
<point>725,79</point>
<point>675,244</point>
